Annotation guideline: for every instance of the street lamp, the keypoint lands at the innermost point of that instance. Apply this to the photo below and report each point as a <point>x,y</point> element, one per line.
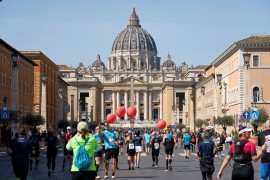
<point>80,110</point>
<point>86,112</point>
<point>72,108</point>
<point>203,90</point>
<point>246,59</point>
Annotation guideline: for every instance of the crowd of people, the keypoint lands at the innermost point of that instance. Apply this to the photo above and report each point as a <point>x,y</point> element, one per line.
<point>105,144</point>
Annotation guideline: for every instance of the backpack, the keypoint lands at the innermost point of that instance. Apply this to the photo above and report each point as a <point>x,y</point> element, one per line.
<point>193,140</point>
<point>82,160</point>
<point>239,156</point>
<point>169,138</point>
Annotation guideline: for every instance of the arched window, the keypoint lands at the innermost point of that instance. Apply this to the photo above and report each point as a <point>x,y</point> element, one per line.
<point>256,94</point>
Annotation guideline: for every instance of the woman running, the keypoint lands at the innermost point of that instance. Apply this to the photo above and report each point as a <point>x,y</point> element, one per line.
<point>129,141</point>
<point>169,143</point>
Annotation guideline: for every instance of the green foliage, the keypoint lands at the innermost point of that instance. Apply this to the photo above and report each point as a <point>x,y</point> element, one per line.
<point>14,116</point>
<point>181,126</point>
<point>224,121</point>
<point>63,124</point>
<point>33,120</point>
<point>263,116</point>
<point>199,123</point>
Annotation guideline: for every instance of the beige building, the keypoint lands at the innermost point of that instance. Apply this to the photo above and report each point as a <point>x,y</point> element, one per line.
<point>236,80</point>
<point>134,73</point>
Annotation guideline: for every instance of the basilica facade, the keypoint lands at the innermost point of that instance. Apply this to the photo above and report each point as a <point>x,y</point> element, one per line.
<point>135,76</point>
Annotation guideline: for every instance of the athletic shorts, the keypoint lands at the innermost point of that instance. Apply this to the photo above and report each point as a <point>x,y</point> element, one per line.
<point>111,154</point>
<point>187,146</point>
<point>138,149</point>
<point>98,154</point>
<point>265,171</point>
<point>37,153</point>
<point>67,152</point>
<point>169,151</point>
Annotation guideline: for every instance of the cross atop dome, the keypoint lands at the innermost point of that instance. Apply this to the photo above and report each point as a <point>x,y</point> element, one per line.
<point>134,19</point>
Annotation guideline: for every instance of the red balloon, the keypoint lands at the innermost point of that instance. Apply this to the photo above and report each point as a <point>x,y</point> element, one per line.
<point>110,118</point>
<point>161,124</point>
<point>120,112</point>
<point>131,112</point>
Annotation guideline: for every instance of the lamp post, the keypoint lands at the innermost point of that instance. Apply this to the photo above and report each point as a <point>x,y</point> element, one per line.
<point>86,112</point>
<point>72,109</point>
<point>193,96</point>
<point>62,103</point>
<point>203,90</point>
<point>80,110</point>
<point>246,57</point>
<point>91,115</point>
<point>44,100</point>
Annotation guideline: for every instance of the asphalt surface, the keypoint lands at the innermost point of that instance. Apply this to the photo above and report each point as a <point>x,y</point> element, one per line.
<point>182,168</point>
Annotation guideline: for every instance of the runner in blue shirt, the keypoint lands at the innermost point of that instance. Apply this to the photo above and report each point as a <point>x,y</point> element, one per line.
<point>186,141</point>
<point>110,141</point>
<point>147,138</point>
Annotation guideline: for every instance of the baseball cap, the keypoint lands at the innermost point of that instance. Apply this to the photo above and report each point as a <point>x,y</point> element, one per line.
<point>82,125</point>
<point>68,127</point>
<point>245,130</point>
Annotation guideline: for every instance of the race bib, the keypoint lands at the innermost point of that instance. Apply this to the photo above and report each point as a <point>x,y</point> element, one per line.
<point>267,142</point>
<point>156,145</point>
<point>131,146</point>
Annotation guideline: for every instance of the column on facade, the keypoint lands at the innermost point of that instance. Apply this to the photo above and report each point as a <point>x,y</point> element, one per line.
<point>161,105</point>
<point>138,104</point>
<point>150,105</point>
<point>126,103</point>
<point>145,105</point>
<point>102,106</point>
<point>113,102</point>
<point>43,112</point>
<point>117,101</point>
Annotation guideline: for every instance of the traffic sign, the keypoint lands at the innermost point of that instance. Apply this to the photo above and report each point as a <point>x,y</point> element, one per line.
<point>254,115</point>
<point>4,114</point>
<point>246,115</point>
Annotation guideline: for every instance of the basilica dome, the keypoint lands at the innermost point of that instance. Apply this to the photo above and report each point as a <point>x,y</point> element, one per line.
<point>134,38</point>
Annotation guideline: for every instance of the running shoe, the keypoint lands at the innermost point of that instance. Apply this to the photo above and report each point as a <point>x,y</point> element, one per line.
<point>156,166</point>
<point>170,167</point>
<point>105,177</point>
<point>153,164</point>
<point>167,170</point>
<point>113,177</point>
<point>49,173</point>
<point>53,173</point>
<point>97,177</point>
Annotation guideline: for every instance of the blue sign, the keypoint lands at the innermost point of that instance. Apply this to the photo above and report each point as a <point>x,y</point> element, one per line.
<point>4,114</point>
<point>254,115</point>
<point>246,115</point>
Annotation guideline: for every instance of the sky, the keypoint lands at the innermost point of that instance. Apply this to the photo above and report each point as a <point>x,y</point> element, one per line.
<point>70,32</point>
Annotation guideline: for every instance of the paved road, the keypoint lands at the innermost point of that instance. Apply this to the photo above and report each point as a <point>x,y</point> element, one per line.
<point>182,168</point>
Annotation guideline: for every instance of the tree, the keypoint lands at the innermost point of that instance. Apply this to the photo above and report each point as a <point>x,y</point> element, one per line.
<point>181,126</point>
<point>63,124</point>
<point>33,120</point>
<point>224,121</point>
<point>263,116</point>
<point>14,116</point>
<point>199,123</point>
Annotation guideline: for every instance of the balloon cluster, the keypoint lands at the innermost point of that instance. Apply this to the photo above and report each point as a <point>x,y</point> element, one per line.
<point>120,112</point>
<point>131,112</point>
